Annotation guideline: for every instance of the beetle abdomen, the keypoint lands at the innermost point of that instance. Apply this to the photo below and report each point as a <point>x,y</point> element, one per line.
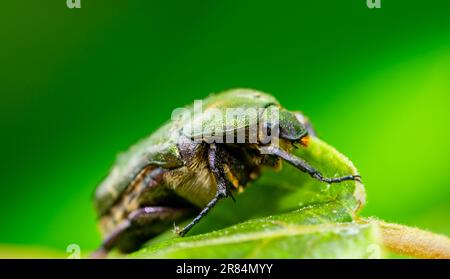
<point>193,182</point>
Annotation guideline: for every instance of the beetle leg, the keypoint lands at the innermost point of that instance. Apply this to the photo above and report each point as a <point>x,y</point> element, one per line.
<point>305,167</point>
<point>215,164</point>
<point>147,221</point>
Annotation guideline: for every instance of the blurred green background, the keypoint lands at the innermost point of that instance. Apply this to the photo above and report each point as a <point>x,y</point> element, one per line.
<point>78,86</point>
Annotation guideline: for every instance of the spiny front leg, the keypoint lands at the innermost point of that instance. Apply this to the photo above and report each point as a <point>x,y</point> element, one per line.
<point>305,167</point>
<point>216,167</point>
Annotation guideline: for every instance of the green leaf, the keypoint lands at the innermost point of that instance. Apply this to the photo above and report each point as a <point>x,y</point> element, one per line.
<point>320,231</point>
<point>313,219</point>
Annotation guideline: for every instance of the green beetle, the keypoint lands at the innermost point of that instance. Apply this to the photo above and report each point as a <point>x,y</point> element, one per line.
<point>181,171</point>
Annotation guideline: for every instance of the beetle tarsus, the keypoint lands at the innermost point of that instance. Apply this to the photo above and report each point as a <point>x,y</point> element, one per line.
<point>229,194</point>
<point>305,167</point>
<point>202,214</point>
<point>176,229</point>
<point>337,179</point>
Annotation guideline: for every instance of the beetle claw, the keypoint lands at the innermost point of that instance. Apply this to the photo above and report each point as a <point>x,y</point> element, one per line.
<point>177,229</point>
<point>231,196</point>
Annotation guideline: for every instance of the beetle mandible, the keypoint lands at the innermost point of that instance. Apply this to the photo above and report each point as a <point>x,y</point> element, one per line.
<point>171,175</point>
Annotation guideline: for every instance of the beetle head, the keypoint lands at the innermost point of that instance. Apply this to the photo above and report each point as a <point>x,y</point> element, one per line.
<point>289,125</point>
<point>291,128</point>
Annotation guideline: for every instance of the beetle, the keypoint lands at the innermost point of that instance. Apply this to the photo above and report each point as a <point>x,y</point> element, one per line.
<point>173,175</point>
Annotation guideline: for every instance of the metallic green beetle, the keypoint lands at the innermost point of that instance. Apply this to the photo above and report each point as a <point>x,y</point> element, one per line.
<point>177,173</point>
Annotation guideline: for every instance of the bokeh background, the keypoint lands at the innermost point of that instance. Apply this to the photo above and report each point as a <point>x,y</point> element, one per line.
<point>78,86</point>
